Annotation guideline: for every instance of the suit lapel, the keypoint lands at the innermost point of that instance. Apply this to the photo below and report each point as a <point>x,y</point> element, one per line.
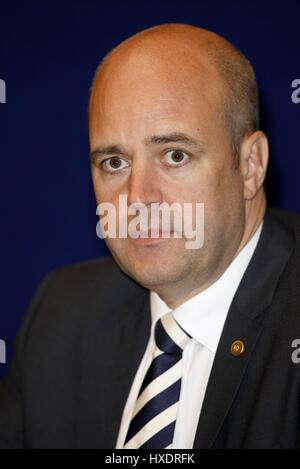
<point>245,323</point>
<point>114,344</point>
<point>136,333</point>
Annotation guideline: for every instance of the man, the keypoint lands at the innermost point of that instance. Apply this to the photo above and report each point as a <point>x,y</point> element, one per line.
<point>163,346</point>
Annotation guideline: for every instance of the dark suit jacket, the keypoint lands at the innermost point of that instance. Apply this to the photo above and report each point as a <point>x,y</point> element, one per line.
<point>86,332</point>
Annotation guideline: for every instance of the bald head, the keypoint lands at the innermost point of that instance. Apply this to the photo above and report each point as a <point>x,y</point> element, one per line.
<point>186,54</point>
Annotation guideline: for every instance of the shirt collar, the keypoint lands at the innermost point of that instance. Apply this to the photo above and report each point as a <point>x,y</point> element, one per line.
<point>203,316</point>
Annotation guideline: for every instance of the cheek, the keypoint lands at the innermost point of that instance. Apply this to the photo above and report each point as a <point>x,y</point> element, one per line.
<point>221,191</point>
<point>96,184</point>
<point>103,192</point>
<point>224,181</point>
<point>108,188</point>
<point>227,201</point>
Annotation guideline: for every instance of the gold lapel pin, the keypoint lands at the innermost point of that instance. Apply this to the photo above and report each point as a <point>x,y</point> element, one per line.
<point>237,348</point>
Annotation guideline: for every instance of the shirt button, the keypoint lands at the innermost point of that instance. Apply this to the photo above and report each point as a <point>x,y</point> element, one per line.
<point>237,348</point>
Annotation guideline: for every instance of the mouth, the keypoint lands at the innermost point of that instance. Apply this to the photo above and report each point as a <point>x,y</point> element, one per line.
<point>144,238</point>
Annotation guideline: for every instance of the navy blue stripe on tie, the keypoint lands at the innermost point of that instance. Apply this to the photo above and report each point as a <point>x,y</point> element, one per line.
<point>159,366</point>
<point>154,407</point>
<point>161,439</point>
<point>164,341</point>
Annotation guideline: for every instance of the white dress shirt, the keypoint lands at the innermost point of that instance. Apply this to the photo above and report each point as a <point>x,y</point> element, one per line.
<point>202,317</point>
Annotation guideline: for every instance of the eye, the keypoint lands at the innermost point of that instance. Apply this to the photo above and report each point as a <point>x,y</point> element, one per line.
<point>176,158</point>
<point>114,164</point>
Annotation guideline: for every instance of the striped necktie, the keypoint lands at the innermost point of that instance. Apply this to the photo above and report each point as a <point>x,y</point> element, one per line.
<point>154,416</point>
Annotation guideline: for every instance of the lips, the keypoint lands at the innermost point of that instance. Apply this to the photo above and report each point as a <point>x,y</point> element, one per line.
<point>147,234</point>
<point>144,238</point>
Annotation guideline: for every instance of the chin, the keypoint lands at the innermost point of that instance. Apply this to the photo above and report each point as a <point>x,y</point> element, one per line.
<point>150,276</point>
<point>152,268</point>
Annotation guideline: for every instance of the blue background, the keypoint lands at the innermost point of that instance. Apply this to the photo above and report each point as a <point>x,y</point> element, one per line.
<point>48,54</point>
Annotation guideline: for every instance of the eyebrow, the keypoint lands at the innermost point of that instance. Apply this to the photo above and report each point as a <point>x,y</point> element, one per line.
<point>173,137</point>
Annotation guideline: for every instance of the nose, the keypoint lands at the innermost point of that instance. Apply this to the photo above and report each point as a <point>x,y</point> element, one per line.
<point>143,185</point>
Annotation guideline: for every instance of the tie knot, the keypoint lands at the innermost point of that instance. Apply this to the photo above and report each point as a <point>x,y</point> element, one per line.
<point>169,336</point>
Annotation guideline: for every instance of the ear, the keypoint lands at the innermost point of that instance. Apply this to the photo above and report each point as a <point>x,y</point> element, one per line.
<point>254,157</point>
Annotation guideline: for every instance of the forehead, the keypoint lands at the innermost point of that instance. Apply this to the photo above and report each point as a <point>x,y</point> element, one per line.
<point>132,95</point>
